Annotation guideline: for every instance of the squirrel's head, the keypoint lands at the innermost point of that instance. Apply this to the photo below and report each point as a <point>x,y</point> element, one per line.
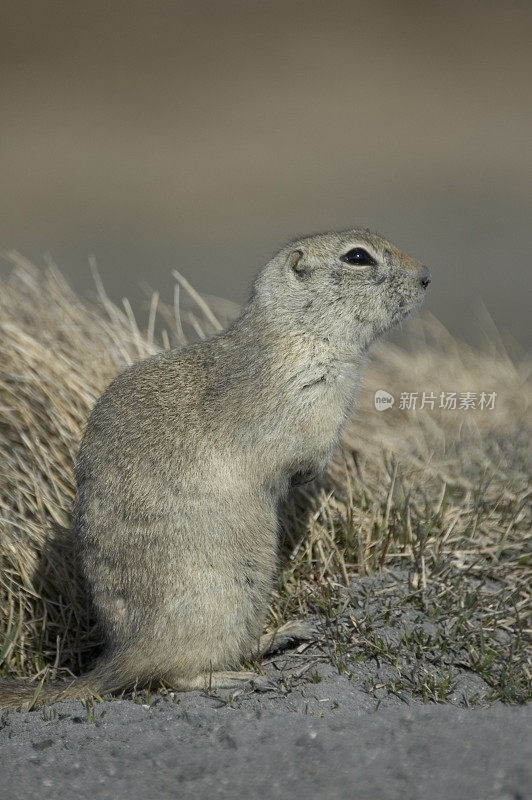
<point>348,287</point>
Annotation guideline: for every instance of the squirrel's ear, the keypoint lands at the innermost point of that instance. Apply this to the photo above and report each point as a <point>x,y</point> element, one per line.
<point>296,264</point>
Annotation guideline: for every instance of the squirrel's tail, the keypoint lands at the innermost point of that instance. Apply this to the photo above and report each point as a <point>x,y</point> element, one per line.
<point>109,675</point>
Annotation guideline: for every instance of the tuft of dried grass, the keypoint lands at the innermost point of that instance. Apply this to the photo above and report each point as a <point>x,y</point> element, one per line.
<point>442,495</point>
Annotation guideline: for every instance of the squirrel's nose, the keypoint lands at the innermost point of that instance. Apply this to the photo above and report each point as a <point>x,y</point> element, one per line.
<point>425,277</point>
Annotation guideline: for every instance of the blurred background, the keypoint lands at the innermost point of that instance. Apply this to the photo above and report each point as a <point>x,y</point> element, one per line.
<point>203,135</point>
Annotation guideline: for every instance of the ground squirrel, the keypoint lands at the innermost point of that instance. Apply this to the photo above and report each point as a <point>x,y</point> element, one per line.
<point>187,453</point>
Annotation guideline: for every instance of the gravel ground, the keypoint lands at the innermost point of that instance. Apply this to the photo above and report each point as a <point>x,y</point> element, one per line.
<point>321,741</point>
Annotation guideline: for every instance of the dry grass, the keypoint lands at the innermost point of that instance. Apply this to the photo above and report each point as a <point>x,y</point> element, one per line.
<point>440,494</point>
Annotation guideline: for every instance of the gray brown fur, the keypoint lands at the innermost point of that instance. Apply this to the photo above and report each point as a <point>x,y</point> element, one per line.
<point>187,454</point>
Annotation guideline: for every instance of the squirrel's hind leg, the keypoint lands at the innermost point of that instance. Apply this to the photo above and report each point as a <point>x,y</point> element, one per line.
<point>221,679</point>
<point>285,636</point>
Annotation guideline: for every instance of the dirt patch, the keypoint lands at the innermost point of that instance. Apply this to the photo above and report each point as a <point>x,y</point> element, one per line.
<point>267,746</point>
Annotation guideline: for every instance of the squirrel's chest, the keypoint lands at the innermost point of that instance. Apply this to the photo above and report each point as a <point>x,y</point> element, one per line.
<point>320,418</point>
<point>296,427</point>
<point>308,430</point>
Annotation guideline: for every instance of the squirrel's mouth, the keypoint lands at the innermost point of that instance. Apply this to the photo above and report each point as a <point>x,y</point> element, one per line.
<point>406,307</point>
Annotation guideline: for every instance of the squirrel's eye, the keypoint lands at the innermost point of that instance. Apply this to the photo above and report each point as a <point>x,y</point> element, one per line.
<point>359,257</point>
